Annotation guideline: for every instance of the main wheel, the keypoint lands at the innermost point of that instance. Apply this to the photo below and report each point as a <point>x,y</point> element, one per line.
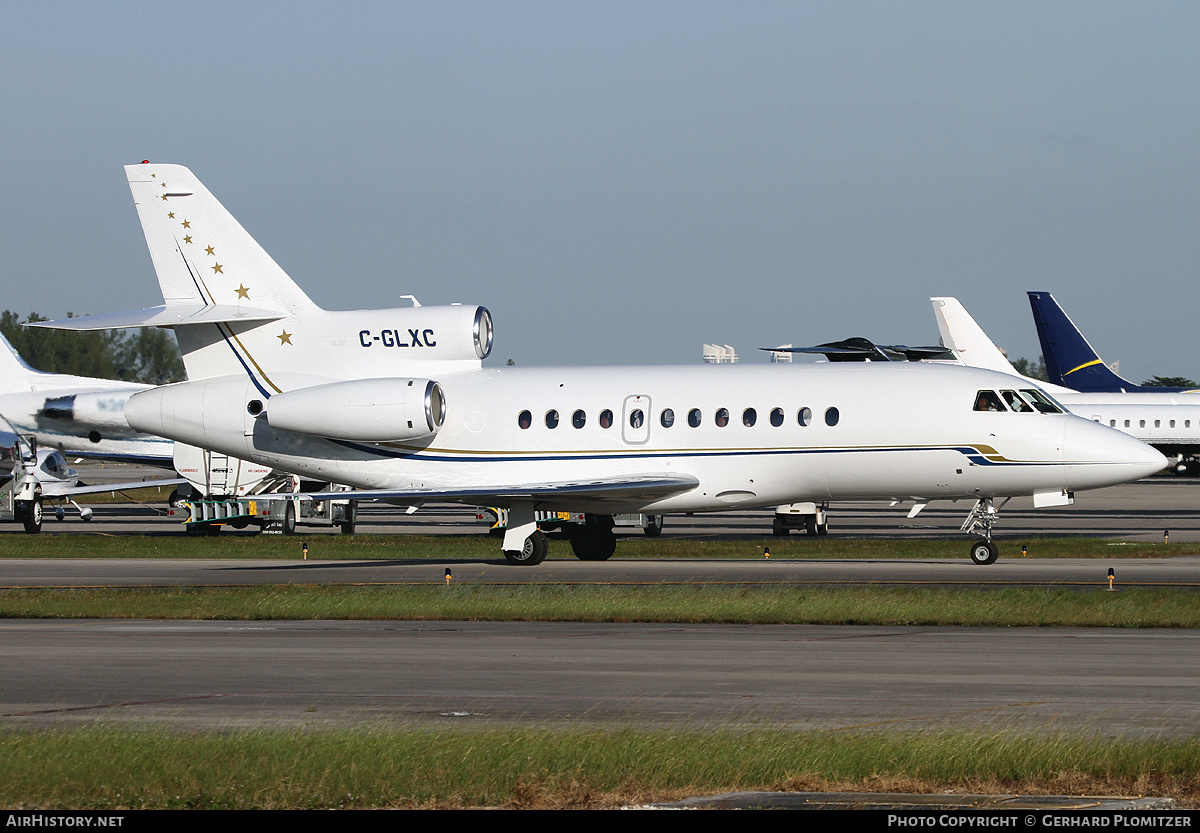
<point>593,544</point>
<point>351,516</point>
<point>984,552</point>
<point>655,527</point>
<point>533,551</point>
<point>33,517</point>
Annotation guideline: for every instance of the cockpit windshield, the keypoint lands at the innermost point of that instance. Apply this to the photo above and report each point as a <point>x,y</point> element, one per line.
<point>1015,402</point>
<point>1042,401</point>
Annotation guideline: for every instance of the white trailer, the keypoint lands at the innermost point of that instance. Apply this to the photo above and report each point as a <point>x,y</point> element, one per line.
<point>276,513</point>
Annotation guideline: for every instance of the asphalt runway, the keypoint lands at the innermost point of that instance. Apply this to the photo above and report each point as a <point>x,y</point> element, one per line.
<point>446,675</point>
<point>222,675</point>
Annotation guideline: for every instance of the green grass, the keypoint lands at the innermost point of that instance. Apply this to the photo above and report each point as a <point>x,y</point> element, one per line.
<point>486,548</point>
<point>121,769</point>
<point>1012,607</point>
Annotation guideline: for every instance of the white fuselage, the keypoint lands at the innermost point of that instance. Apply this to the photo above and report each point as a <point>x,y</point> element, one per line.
<point>900,432</point>
<point>79,415</point>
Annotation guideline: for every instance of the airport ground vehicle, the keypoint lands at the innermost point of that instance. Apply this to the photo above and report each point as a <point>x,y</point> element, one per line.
<point>276,513</point>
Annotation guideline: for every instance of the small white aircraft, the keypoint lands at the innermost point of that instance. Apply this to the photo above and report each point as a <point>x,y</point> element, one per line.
<point>1167,420</point>
<point>41,474</point>
<point>396,402</point>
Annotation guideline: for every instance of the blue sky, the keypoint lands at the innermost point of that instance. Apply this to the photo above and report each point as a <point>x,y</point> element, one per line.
<point>620,182</point>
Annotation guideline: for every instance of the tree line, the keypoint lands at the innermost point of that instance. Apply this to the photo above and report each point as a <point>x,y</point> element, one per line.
<point>146,355</point>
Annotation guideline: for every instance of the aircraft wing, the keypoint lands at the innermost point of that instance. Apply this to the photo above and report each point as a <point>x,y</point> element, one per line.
<point>52,489</point>
<point>618,490</point>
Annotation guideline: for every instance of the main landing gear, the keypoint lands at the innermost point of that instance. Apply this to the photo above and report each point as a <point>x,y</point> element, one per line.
<point>526,545</point>
<point>980,522</point>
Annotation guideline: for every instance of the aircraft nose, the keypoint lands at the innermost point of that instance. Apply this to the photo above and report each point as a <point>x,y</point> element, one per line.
<point>1097,456</point>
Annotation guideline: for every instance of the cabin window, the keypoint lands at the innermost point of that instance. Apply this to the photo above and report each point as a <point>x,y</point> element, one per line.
<point>776,417</point>
<point>1172,423</point>
<point>1112,423</point>
<point>1187,423</point>
<point>551,419</point>
<point>804,416</point>
<point>749,417</point>
<point>987,400</point>
<point>666,418</point>
<point>1126,423</point>
<point>832,416</point>
<point>1158,423</point>
<point>722,417</point>
<point>1141,423</point>
<point>524,419</point>
<point>579,419</point>
<point>606,418</point>
<point>694,417</point>
<point>636,418</point>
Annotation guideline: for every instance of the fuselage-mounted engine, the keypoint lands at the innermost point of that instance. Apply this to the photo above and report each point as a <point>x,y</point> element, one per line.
<point>362,410</point>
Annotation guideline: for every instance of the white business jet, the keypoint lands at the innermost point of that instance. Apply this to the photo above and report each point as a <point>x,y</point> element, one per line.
<point>82,416</point>
<point>1167,420</point>
<point>75,415</point>
<point>396,403</point>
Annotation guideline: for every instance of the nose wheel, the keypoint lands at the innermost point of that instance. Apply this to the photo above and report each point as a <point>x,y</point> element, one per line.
<point>980,522</point>
<point>984,552</point>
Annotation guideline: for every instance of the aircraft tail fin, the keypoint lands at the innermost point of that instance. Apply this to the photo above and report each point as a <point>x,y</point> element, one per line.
<point>967,339</point>
<point>200,252</point>
<point>1070,360</point>
<point>221,288</point>
<point>15,374</point>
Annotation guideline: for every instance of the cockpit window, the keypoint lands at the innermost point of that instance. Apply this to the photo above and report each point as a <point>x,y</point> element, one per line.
<point>1015,402</point>
<point>1042,401</point>
<point>987,400</point>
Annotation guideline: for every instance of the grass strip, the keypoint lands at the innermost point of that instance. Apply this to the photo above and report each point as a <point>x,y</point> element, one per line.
<point>482,547</point>
<point>1013,607</point>
<point>110,769</point>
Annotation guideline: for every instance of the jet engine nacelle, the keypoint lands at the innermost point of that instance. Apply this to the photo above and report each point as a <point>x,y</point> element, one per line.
<point>363,410</point>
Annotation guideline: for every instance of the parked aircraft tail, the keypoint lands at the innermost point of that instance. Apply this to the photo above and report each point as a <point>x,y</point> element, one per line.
<point>14,372</point>
<point>967,339</point>
<point>1070,359</point>
<point>235,312</point>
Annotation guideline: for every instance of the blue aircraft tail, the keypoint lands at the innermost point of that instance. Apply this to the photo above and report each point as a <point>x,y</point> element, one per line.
<point>1070,360</point>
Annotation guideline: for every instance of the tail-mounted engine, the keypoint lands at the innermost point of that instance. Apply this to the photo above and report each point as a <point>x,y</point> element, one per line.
<point>364,410</point>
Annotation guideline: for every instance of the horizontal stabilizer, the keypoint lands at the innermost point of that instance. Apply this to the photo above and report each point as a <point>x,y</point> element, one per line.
<point>163,316</point>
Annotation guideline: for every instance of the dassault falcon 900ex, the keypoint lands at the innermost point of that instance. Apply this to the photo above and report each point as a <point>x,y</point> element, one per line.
<point>396,402</point>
